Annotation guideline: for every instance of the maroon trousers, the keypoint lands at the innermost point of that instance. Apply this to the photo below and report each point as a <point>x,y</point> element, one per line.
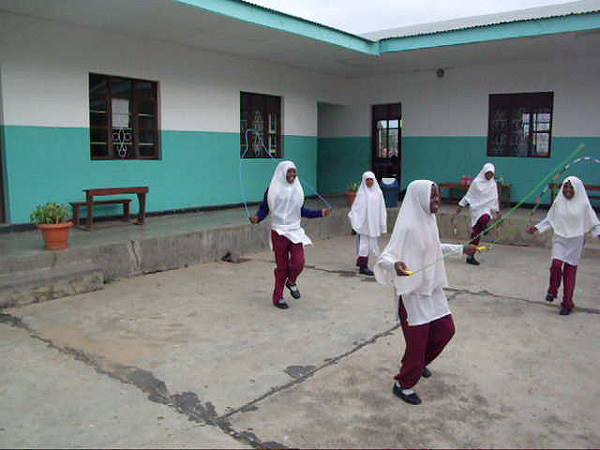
<point>423,344</point>
<point>568,274</point>
<point>482,224</point>
<point>289,260</point>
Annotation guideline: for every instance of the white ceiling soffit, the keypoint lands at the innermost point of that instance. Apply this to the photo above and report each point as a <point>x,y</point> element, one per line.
<point>308,46</point>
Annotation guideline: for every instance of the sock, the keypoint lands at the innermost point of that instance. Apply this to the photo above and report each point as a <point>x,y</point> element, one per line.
<point>405,391</point>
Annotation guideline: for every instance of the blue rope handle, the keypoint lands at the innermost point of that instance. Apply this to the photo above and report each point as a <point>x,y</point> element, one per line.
<point>242,182</point>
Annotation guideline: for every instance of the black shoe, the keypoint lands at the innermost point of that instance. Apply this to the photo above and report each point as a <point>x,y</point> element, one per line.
<point>413,398</point>
<point>364,270</point>
<point>426,372</point>
<point>281,304</point>
<point>293,290</point>
<point>564,311</point>
<point>472,260</point>
<point>549,297</point>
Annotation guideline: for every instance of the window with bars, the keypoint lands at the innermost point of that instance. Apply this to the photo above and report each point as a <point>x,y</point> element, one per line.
<point>260,126</point>
<point>123,118</point>
<point>520,125</point>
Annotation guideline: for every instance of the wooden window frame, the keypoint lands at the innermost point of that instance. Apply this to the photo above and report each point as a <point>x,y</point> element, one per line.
<point>107,132</point>
<point>502,127</point>
<point>269,107</point>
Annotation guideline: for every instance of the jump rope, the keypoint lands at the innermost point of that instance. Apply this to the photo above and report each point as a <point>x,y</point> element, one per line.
<point>258,139</point>
<point>554,174</point>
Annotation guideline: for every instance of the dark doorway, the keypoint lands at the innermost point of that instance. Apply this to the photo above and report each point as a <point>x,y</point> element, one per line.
<point>386,127</point>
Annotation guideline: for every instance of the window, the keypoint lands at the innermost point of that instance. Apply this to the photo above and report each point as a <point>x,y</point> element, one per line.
<point>520,124</point>
<point>262,115</point>
<point>123,118</point>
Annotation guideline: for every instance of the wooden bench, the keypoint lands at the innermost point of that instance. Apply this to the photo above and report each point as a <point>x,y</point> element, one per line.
<point>89,203</point>
<point>116,201</point>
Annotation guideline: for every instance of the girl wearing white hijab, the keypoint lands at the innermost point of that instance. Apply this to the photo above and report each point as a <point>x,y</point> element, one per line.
<point>284,199</point>
<point>422,307</point>
<point>571,216</point>
<point>368,217</point>
<point>482,198</point>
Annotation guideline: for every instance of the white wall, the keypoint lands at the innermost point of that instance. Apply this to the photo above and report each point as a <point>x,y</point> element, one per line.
<point>457,104</point>
<point>45,67</point>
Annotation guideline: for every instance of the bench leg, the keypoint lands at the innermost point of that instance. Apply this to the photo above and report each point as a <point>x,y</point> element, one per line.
<point>75,216</point>
<point>126,212</point>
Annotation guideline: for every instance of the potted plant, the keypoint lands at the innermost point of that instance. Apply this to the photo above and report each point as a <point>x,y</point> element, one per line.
<point>351,191</point>
<point>51,220</point>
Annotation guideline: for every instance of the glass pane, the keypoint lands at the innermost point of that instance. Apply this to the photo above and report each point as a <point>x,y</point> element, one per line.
<point>144,89</point>
<point>123,150</point>
<point>146,108</point>
<point>258,136</point>
<point>393,124</point>
<point>98,84</point>
<point>146,122</point>
<point>122,140</point>
<point>146,138</point>
<point>392,142</point>
<point>99,150</point>
<point>541,121</point>
<point>120,113</point>
<point>120,87</point>
<point>98,136</point>
<point>97,104</point>
<point>382,143</point>
<point>147,151</point>
<point>98,120</point>
<point>518,141</point>
<point>541,144</point>
<point>382,124</point>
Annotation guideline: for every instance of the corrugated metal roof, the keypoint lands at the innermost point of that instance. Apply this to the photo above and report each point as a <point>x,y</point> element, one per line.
<point>543,12</point>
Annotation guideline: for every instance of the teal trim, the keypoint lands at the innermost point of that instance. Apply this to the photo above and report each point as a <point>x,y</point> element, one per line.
<point>342,161</point>
<point>276,20</point>
<point>511,30</point>
<point>197,169</point>
<point>447,158</point>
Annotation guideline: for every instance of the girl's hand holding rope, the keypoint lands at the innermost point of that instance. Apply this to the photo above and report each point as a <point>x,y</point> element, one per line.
<point>325,212</point>
<point>532,230</point>
<point>253,219</point>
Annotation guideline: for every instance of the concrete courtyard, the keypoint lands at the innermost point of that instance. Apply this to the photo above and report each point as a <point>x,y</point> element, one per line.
<point>199,358</point>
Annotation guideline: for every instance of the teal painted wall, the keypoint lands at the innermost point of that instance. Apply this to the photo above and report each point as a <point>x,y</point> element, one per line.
<point>342,161</point>
<point>197,169</point>
<point>447,158</point>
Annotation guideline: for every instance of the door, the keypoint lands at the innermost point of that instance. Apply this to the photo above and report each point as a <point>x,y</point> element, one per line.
<point>386,127</point>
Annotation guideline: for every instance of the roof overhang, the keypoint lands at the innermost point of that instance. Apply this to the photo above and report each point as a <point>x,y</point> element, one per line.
<point>238,28</point>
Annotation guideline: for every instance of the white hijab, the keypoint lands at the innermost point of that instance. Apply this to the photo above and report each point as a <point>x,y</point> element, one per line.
<point>285,199</point>
<point>575,217</point>
<point>483,193</point>
<point>416,242</point>
<point>368,215</point>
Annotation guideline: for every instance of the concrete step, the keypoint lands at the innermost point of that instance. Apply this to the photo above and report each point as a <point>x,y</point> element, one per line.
<point>42,284</point>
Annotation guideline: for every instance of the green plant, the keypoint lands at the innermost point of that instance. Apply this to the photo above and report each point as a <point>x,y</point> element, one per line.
<point>49,213</point>
<point>353,187</point>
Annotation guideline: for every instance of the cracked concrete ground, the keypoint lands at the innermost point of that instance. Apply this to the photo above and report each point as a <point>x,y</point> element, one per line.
<point>198,357</point>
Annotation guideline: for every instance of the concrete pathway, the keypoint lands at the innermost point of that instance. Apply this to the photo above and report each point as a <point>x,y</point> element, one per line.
<point>198,357</point>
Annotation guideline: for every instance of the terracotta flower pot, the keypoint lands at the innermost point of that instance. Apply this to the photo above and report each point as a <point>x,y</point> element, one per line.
<point>56,235</point>
<point>350,196</point>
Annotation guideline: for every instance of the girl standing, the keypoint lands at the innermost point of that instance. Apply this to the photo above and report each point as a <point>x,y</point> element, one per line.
<point>571,216</point>
<point>284,199</point>
<point>368,217</point>
<point>482,198</point>
<point>422,306</point>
